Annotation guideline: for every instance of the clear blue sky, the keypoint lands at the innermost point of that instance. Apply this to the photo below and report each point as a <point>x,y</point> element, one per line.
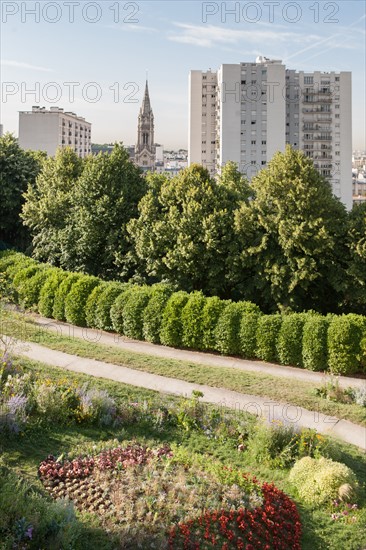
<point>113,44</point>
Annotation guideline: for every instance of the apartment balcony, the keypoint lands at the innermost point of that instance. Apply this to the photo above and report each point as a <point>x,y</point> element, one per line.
<point>322,157</point>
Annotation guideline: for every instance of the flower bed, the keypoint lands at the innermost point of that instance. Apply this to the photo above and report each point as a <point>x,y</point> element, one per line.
<point>274,525</point>
<point>149,494</point>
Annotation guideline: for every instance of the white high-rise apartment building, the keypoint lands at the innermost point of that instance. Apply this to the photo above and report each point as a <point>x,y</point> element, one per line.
<point>43,130</point>
<point>246,112</point>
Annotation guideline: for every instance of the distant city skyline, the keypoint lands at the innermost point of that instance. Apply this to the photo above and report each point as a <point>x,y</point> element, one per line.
<point>91,57</point>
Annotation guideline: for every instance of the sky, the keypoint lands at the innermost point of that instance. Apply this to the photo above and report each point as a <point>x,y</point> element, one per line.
<point>92,58</point>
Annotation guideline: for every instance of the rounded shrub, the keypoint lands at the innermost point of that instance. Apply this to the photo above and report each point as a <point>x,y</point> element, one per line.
<point>58,311</point>
<point>210,315</point>
<point>192,336</point>
<point>30,291</point>
<point>319,481</point>
<point>134,310</point>
<point>20,278</point>
<point>248,335</point>
<point>76,299</point>
<point>314,343</point>
<point>117,309</point>
<point>289,343</point>
<point>152,318</point>
<point>91,305</point>
<point>228,327</point>
<point>267,335</point>
<point>48,291</point>
<point>345,348</point>
<point>104,303</point>
<point>171,325</point>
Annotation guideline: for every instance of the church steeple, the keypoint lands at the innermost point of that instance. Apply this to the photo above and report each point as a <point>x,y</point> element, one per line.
<point>145,148</point>
<point>146,107</point>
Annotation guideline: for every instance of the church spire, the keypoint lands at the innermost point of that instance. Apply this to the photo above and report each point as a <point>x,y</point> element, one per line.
<point>145,146</point>
<point>146,107</point>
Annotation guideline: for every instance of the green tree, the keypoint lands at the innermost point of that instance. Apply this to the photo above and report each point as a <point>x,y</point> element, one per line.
<point>356,292</point>
<point>18,168</point>
<point>294,236</point>
<point>185,230</point>
<point>103,202</point>
<point>48,205</point>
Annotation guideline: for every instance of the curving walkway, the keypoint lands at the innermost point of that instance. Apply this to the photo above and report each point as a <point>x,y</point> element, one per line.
<point>204,358</point>
<point>269,409</point>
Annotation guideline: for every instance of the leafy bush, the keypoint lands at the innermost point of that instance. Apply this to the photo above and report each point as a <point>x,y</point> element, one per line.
<point>20,277</point>
<point>289,343</point>
<point>248,335</point>
<point>104,303</point>
<point>345,336</point>
<point>61,294</point>
<point>267,335</point>
<point>29,294</point>
<point>314,343</point>
<point>210,316</point>
<point>117,309</point>
<point>319,480</point>
<point>48,291</point>
<point>91,305</point>
<point>171,325</point>
<point>134,310</point>
<point>274,445</point>
<point>228,327</point>
<point>192,336</point>
<point>76,299</point>
<point>152,318</point>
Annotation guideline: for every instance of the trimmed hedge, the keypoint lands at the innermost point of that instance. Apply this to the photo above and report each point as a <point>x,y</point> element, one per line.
<point>104,303</point>
<point>228,327</point>
<point>289,343</point>
<point>171,325</point>
<point>248,335</point>
<point>153,313</point>
<point>134,310</point>
<point>91,305</point>
<point>48,291</point>
<point>30,291</point>
<point>61,294</point>
<point>21,279</point>
<point>117,310</point>
<point>268,330</point>
<point>178,319</point>
<point>346,336</point>
<point>75,302</point>
<point>210,317</point>
<point>314,343</point>
<point>192,336</point>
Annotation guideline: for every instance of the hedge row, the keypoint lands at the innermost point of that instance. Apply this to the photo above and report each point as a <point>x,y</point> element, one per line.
<point>158,314</point>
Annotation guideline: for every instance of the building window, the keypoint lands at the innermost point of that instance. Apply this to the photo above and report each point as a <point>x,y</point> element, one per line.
<point>308,80</point>
<point>253,142</point>
<point>337,78</point>
<point>264,142</point>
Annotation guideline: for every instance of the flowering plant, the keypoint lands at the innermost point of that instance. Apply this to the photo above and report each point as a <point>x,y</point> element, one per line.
<point>275,524</point>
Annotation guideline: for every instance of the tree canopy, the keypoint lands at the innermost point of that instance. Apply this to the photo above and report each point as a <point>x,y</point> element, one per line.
<point>185,230</point>
<point>18,168</point>
<point>294,236</point>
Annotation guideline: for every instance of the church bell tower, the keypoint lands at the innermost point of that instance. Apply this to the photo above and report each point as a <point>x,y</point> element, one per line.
<point>145,148</point>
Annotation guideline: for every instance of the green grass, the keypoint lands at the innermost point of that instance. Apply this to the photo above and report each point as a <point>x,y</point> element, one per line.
<point>282,389</point>
<point>23,454</point>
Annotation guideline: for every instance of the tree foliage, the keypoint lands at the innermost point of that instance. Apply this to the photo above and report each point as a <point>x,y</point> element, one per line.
<point>294,236</point>
<point>185,229</point>
<point>18,168</point>
<point>78,210</point>
<point>356,295</point>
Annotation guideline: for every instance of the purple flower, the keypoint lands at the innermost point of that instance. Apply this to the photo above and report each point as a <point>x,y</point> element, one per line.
<point>29,532</point>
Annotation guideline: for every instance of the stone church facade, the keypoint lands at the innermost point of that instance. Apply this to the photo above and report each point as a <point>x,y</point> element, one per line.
<point>145,147</point>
